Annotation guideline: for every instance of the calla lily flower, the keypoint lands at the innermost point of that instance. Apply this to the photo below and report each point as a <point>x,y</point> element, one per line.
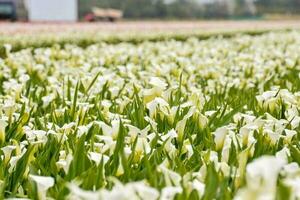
<point>220,135</point>
<point>43,184</point>
<point>7,150</point>
<point>261,178</point>
<point>3,125</point>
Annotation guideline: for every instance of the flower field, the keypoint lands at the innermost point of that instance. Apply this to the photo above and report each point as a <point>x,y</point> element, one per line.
<point>216,118</point>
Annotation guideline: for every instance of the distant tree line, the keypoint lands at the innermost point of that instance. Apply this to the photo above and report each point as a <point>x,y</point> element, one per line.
<point>193,8</point>
<point>279,6</point>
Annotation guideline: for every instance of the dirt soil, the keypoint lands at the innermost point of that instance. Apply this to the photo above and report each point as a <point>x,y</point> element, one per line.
<point>144,26</point>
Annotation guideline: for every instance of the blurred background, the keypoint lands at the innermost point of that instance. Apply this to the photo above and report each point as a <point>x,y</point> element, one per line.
<point>115,10</point>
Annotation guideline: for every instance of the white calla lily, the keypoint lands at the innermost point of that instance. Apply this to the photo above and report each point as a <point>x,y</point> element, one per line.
<point>43,184</point>
<point>3,125</point>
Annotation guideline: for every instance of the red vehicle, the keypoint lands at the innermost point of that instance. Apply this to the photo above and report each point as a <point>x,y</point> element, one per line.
<point>99,14</point>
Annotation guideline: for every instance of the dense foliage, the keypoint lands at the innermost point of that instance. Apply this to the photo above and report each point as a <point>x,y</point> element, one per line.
<point>195,119</point>
<point>193,8</point>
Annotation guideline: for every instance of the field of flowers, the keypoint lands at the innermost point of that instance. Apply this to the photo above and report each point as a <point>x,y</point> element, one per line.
<point>192,119</point>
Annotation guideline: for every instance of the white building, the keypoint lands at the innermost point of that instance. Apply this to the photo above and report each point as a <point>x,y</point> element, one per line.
<point>52,10</point>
